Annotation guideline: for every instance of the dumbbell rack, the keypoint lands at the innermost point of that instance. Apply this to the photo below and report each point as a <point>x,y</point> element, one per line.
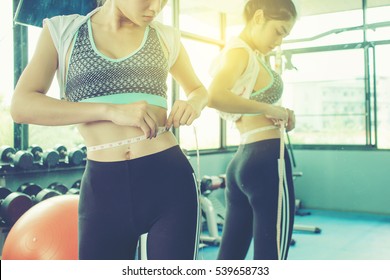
<point>44,167</point>
<point>12,178</point>
<point>18,159</point>
<point>4,230</point>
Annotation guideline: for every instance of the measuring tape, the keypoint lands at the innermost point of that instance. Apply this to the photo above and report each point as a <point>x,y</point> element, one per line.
<point>281,167</point>
<point>133,140</point>
<point>245,135</point>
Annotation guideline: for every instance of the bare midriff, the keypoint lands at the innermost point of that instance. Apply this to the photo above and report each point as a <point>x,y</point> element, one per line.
<point>248,123</point>
<point>103,132</point>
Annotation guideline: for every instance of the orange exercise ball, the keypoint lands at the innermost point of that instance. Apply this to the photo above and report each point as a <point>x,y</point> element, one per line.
<point>47,231</point>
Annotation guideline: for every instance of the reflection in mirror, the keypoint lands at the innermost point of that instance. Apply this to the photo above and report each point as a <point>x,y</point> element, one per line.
<point>337,83</point>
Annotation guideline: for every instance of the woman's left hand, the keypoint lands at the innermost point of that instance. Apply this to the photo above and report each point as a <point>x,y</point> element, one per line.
<point>182,113</point>
<point>291,120</point>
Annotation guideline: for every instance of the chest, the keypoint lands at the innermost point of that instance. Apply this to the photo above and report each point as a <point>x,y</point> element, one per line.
<point>116,45</point>
<point>264,77</point>
<point>96,48</point>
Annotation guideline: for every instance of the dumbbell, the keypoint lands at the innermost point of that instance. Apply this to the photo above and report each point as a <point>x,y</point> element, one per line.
<point>49,157</point>
<point>22,159</point>
<point>36,192</point>
<point>13,205</point>
<point>223,183</point>
<point>210,183</point>
<point>75,189</point>
<point>73,157</point>
<point>83,148</point>
<point>61,188</point>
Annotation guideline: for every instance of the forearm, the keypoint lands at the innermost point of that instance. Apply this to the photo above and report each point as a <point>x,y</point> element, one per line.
<point>36,108</point>
<point>198,98</point>
<point>229,102</point>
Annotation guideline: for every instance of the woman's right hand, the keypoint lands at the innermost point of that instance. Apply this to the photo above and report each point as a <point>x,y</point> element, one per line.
<point>136,114</point>
<point>291,120</point>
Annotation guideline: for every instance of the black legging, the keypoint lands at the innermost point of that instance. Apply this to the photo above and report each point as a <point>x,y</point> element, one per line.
<point>252,203</point>
<point>119,201</point>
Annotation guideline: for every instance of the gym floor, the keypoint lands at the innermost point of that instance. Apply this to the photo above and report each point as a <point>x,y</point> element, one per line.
<point>343,236</point>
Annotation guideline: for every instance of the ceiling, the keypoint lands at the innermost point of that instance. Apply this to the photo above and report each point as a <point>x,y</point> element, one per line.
<point>233,8</point>
<point>315,7</point>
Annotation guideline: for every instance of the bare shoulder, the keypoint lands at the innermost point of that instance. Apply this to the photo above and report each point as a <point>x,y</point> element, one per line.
<point>46,37</point>
<point>39,72</point>
<point>235,61</point>
<point>238,56</point>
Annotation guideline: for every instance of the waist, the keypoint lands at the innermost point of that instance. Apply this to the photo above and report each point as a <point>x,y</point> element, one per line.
<point>105,132</point>
<point>123,142</point>
<point>131,148</point>
<point>257,128</point>
<point>260,133</point>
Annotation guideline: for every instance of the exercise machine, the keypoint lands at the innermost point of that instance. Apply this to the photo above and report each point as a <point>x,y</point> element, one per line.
<point>213,211</point>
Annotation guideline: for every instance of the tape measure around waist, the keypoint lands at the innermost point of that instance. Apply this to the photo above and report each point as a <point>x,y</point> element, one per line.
<point>245,135</point>
<point>133,140</point>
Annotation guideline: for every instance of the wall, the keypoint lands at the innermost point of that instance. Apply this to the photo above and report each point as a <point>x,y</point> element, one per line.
<point>344,180</point>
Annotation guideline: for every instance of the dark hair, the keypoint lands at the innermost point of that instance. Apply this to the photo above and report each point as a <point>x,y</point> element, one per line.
<point>273,9</point>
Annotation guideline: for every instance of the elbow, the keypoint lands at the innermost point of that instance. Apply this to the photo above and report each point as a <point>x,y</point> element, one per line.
<point>212,101</point>
<point>18,115</point>
<point>215,97</point>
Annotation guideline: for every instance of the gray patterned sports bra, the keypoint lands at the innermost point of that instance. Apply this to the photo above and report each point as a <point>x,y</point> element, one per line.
<point>272,92</point>
<point>94,77</point>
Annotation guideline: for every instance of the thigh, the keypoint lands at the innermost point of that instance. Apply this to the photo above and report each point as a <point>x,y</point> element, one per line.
<point>105,214</point>
<point>259,180</point>
<point>174,236</point>
<point>262,188</point>
<point>237,228</point>
<point>109,240</point>
<point>288,210</point>
<point>173,208</point>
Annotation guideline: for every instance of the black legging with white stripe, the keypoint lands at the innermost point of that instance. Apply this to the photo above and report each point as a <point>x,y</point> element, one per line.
<point>154,194</point>
<point>252,203</point>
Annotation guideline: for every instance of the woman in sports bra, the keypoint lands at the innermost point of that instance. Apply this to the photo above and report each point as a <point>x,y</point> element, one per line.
<point>260,203</point>
<point>112,66</point>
